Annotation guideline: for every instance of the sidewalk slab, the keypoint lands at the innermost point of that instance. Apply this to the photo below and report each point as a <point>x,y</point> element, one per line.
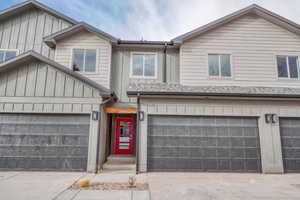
<point>103,195</point>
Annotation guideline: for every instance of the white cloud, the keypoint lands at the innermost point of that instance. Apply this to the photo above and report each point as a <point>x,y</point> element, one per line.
<point>161,19</point>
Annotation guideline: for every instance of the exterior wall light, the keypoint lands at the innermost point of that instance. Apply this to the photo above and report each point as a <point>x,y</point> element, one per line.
<point>275,118</point>
<point>271,118</point>
<point>141,115</point>
<point>95,115</point>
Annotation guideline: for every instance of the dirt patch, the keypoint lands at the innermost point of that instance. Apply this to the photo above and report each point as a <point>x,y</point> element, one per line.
<point>111,186</point>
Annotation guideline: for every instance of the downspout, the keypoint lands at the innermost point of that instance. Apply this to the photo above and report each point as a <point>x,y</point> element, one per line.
<point>99,134</point>
<point>165,64</point>
<point>138,134</point>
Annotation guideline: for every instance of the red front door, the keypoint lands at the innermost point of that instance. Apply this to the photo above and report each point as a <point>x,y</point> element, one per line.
<point>124,135</point>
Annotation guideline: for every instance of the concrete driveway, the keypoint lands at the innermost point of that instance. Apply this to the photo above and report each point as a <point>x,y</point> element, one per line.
<point>223,186</point>
<point>35,185</point>
<point>163,186</point>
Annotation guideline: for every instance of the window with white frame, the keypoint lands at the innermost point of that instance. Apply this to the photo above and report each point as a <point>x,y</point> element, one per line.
<point>7,54</point>
<point>288,67</point>
<point>219,65</point>
<point>143,65</point>
<point>84,60</point>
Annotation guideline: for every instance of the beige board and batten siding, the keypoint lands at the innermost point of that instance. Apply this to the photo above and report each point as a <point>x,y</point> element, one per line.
<point>270,143</point>
<point>38,87</point>
<point>25,31</point>
<point>121,66</point>
<point>87,40</point>
<point>253,43</point>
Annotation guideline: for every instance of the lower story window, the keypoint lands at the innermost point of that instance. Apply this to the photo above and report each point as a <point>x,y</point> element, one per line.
<point>7,54</point>
<point>288,66</point>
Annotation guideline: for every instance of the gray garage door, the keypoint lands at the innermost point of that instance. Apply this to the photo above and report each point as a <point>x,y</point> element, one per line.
<point>43,142</point>
<point>216,144</point>
<point>290,141</point>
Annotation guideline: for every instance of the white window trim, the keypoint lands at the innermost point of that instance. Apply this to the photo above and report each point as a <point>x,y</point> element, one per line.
<point>220,76</point>
<point>142,76</point>
<point>83,72</point>
<point>288,67</point>
<point>16,50</point>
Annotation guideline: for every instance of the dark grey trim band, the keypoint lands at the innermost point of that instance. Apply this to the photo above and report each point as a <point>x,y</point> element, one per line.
<point>199,94</point>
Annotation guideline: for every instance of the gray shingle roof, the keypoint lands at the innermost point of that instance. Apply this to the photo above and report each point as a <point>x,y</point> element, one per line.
<point>231,91</point>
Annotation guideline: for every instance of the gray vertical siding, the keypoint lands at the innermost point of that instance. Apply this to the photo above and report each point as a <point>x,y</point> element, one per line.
<point>26,30</point>
<point>121,69</point>
<point>38,87</point>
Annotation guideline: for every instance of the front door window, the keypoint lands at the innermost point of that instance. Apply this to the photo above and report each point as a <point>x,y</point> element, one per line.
<point>124,135</point>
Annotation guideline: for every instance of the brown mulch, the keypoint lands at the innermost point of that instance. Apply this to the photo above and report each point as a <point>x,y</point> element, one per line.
<point>111,186</point>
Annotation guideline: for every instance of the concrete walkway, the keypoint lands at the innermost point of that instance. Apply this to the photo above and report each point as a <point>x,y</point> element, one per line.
<point>163,186</point>
<point>54,186</point>
<point>35,185</point>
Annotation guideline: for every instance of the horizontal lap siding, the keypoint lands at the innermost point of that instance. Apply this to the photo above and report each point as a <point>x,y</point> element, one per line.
<point>221,107</point>
<point>253,43</point>
<point>26,31</point>
<point>87,40</point>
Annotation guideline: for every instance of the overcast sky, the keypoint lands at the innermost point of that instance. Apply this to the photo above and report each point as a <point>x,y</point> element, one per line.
<point>157,19</point>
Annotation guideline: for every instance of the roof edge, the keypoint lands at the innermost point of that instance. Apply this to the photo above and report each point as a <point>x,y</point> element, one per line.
<point>40,6</point>
<point>230,17</point>
<point>200,94</point>
<point>104,92</point>
<point>50,40</point>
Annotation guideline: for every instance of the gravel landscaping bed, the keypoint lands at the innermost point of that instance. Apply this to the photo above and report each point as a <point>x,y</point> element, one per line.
<point>111,186</point>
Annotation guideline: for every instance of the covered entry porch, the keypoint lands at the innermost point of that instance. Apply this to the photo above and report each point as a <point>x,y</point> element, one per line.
<point>120,143</point>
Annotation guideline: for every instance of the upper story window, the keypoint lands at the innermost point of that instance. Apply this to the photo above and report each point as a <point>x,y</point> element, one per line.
<point>84,60</point>
<point>288,66</point>
<point>143,65</point>
<point>7,54</point>
<point>219,65</point>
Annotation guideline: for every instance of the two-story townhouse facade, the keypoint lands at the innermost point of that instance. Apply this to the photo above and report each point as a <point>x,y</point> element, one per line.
<point>222,98</point>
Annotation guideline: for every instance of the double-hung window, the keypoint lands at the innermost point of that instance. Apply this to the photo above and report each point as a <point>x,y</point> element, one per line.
<point>7,54</point>
<point>143,65</point>
<point>219,65</point>
<point>288,67</point>
<point>84,60</point>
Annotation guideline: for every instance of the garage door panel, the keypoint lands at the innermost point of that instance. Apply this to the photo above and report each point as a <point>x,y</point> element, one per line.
<point>49,164</point>
<point>42,128</point>
<point>44,142</point>
<point>203,144</point>
<point>290,141</point>
<point>27,151</point>
<point>252,153</point>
